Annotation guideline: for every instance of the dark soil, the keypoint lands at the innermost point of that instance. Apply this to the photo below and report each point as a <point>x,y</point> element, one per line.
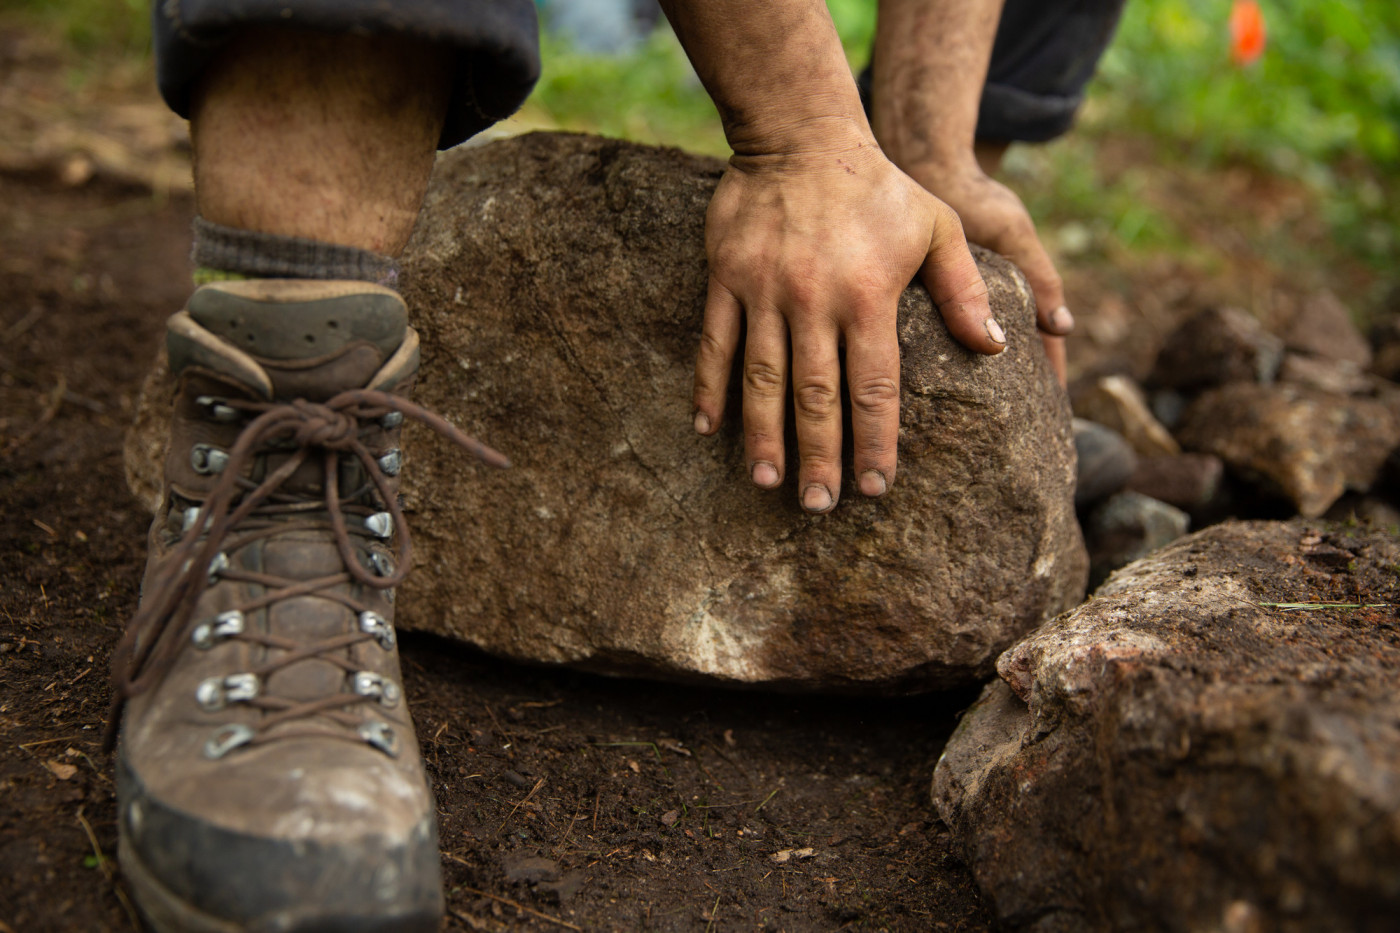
<point>652,806</point>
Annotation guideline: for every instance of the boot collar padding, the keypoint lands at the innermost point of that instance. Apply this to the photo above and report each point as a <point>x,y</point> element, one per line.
<point>293,319</point>
<point>188,345</point>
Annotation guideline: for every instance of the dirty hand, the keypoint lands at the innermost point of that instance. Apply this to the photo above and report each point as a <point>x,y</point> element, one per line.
<point>994,217</point>
<point>811,250</point>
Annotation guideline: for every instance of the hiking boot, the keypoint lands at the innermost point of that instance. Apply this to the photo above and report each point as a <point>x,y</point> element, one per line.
<point>268,777</point>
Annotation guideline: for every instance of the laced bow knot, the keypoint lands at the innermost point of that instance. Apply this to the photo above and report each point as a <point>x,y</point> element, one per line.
<point>326,427</point>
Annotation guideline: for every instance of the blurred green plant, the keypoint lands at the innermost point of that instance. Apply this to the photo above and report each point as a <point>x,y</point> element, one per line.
<point>1322,104</point>
<point>92,25</point>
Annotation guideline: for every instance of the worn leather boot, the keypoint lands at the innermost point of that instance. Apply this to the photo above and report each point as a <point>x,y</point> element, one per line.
<point>268,774</point>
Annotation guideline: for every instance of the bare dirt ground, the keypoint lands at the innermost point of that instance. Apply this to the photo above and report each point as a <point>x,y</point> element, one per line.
<point>566,801</point>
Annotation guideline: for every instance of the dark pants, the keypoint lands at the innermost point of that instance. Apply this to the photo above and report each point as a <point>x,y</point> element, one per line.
<point>1045,53</point>
<point>497,41</point>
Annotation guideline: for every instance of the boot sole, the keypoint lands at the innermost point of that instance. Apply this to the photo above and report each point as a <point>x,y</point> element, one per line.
<point>166,912</point>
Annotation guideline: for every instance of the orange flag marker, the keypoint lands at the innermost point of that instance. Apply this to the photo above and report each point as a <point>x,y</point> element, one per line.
<point>1246,32</point>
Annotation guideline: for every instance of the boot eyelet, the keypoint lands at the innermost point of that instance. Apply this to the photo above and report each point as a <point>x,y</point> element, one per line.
<point>217,566</point>
<point>380,524</point>
<point>226,739</point>
<point>215,693</point>
<point>215,410</point>
<point>370,684</point>
<point>207,459</point>
<point>382,564</point>
<point>392,420</point>
<point>392,462</point>
<point>381,736</point>
<point>372,623</point>
<point>225,625</point>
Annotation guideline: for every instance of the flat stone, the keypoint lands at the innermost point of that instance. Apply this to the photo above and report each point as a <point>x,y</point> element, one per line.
<point>558,283</point>
<point>1183,752</point>
<point>1119,403</point>
<point>1187,481</point>
<point>1307,445</point>
<point>1215,347</point>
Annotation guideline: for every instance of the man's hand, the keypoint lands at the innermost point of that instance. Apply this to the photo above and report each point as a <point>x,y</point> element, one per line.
<point>812,235</point>
<point>994,217</point>
<point>812,250</point>
<point>930,62</point>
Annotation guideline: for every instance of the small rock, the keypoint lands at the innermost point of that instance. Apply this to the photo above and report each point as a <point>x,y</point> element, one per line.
<point>1340,377</point>
<point>1323,327</point>
<point>1116,402</point>
<point>1385,341</point>
<point>669,817</point>
<point>1168,406</point>
<point>1187,481</point>
<point>1376,512</point>
<point>1181,753</point>
<point>1105,462</point>
<point>531,870</point>
<point>783,856</point>
<point>1306,445</point>
<point>1216,347</point>
<point>61,769</point>
<point>1126,527</point>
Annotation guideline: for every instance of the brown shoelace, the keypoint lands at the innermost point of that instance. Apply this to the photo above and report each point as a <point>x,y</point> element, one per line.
<point>161,628</point>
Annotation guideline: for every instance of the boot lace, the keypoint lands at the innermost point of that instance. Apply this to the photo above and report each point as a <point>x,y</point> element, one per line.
<point>239,511</point>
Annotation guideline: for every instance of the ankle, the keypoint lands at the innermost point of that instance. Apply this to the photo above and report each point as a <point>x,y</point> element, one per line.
<point>227,253</point>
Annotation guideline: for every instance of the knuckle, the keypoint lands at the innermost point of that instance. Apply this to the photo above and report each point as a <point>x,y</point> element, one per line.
<point>815,399</point>
<point>875,394</point>
<point>762,379</point>
<point>711,347</point>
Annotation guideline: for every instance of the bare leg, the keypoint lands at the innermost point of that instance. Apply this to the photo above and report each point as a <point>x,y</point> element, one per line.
<point>329,138</point>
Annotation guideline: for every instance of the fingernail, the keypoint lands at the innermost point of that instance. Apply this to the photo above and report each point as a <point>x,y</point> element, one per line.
<point>816,498</point>
<point>872,483</point>
<point>995,332</point>
<point>765,474</point>
<point>702,422</point>
<point>1061,320</point>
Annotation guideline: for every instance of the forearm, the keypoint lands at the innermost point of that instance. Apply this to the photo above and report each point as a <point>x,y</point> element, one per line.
<point>929,66</point>
<point>776,72</point>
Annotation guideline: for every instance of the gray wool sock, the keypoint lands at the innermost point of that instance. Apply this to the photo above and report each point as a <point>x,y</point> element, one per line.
<point>222,253</point>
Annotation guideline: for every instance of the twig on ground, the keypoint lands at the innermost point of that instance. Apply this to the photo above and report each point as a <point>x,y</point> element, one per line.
<point>531,794</point>
<point>768,798</point>
<point>521,907</point>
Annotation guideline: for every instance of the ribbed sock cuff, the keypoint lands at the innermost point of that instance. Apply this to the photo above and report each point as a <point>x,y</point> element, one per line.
<point>226,252</point>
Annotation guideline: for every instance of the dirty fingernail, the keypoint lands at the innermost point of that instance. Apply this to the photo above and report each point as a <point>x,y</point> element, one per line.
<point>764,474</point>
<point>995,332</point>
<point>1061,320</point>
<point>872,483</point>
<point>702,422</point>
<point>816,498</point>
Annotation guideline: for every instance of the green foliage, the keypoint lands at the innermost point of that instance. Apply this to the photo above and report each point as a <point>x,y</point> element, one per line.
<point>91,25</point>
<point>651,95</point>
<point>1322,104</point>
<point>1327,87</point>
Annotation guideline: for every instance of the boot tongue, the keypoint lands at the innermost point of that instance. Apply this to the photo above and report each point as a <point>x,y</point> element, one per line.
<point>313,339</point>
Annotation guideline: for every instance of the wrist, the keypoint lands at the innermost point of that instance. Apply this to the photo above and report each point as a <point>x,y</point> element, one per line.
<point>792,138</point>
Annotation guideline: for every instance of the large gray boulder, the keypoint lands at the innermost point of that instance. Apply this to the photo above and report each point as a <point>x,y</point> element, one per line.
<point>558,283</point>
<point>1179,754</point>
